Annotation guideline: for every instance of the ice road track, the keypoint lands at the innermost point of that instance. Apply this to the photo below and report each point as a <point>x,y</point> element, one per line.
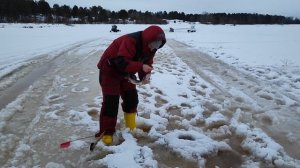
<point>259,99</point>
<point>35,92</point>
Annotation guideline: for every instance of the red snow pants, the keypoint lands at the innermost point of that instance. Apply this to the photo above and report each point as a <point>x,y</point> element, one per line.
<point>113,86</point>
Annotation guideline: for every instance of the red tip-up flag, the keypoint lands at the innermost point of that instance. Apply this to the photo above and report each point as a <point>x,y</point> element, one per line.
<point>65,145</point>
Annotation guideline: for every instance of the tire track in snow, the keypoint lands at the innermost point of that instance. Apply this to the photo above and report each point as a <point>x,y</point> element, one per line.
<point>21,106</point>
<point>256,97</point>
<point>29,74</point>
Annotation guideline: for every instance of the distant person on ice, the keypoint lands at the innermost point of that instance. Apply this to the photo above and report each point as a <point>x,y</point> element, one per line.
<point>127,55</point>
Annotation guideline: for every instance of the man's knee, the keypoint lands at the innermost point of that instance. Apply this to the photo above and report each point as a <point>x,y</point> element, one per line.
<point>130,100</point>
<point>110,105</point>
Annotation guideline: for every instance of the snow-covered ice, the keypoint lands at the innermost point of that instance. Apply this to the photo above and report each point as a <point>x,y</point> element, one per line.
<point>222,93</point>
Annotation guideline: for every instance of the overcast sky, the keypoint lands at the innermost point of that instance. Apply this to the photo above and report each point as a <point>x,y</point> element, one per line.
<point>273,7</point>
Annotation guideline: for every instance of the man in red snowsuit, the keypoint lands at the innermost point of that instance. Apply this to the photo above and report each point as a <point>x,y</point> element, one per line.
<point>127,55</point>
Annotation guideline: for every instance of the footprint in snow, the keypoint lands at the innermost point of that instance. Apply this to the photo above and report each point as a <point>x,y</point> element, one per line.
<point>193,82</point>
<point>174,110</point>
<point>280,102</point>
<point>157,91</point>
<point>169,70</point>
<point>181,70</point>
<point>66,84</point>
<point>267,120</point>
<point>242,83</point>
<point>79,90</point>
<point>186,105</point>
<point>265,96</point>
<point>204,86</point>
<point>160,101</point>
<point>54,97</point>
<point>160,71</point>
<point>210,125</point>
<point>145,94</point>
<point>198,92</point>
<point>210,108</point>
<point>184,95</point>
<point>239,99</point>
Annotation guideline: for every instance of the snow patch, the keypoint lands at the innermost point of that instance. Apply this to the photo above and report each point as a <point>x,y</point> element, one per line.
<point>193,145</point>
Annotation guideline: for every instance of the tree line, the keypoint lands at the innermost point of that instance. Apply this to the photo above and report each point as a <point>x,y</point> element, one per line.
<point>29,11</point>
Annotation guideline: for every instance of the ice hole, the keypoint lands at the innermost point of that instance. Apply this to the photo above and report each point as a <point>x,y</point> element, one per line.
<point>186,137</point>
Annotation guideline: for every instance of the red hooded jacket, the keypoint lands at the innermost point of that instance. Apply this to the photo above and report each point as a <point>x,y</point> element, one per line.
<point>124,55</point>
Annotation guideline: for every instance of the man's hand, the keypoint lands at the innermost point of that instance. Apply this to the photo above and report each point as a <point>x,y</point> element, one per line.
<point>146,79</point>
<point>144,82</point>
<point>147,68</point>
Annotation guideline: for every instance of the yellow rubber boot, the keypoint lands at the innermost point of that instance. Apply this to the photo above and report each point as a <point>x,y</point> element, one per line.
<point>130,120</point>
<point>107,139</point>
